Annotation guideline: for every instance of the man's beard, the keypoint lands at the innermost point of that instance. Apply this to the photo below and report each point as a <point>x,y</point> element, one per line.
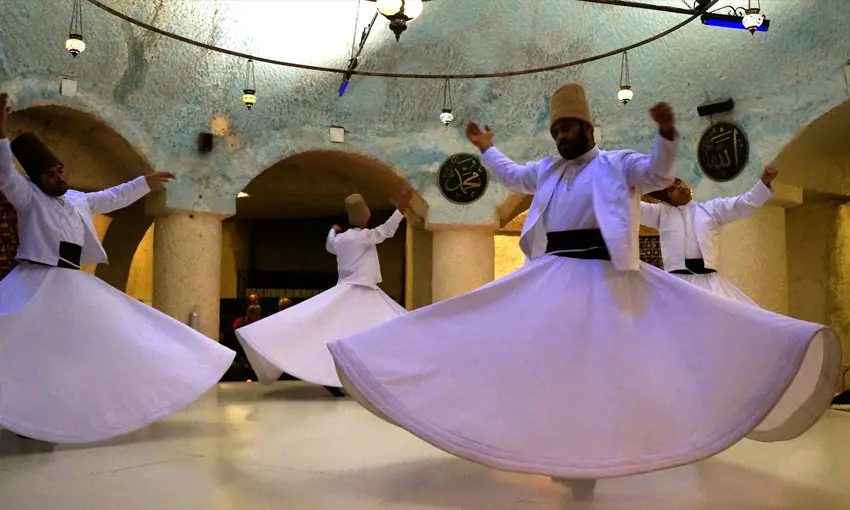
<point>56,193</point>
<point>574,148</point>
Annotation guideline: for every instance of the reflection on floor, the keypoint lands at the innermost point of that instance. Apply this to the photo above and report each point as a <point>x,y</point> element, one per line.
<point>294,447</point>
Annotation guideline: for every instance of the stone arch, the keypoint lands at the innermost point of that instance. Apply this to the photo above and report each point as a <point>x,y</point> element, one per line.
<point>307,186</point>
<point>816,162</point>
<point>96,157</point>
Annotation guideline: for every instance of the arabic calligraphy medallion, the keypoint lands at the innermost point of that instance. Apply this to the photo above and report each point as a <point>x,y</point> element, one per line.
<point>462,179</point>
<point>723,151</point>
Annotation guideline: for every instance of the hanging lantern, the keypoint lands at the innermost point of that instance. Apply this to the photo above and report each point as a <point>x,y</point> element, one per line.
<point>625,94</point>
<point>753,19</point>
<point>446,117</point>
<point>249,93</point>
<point>75,44</point>
<point>399,12</point>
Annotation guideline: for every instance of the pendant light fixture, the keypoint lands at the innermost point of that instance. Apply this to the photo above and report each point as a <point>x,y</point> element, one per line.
<point>753,18</point>
<point>249,93</point>
<point>626,93</point>
<point>446,117</point>
<point>75,44</point>
<point>399,12</point>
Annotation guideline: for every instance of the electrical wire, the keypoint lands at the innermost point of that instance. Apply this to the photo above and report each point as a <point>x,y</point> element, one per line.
<point>470,76</point>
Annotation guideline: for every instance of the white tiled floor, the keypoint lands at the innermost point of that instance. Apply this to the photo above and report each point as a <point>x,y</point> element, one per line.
<point>292,447</point>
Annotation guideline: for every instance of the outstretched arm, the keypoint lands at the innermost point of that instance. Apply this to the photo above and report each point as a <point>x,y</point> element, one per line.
<point>727,210</point>
<point>14,186</point>
<point>658,170</point>
<point>650,215</point>
<point>123,195</point>
<point>517,178</point>
<point>380,234</point>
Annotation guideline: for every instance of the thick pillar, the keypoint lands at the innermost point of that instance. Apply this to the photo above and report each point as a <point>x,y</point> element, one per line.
<point>187,267</point>
<point>463,260</point>
<point>753,256</point>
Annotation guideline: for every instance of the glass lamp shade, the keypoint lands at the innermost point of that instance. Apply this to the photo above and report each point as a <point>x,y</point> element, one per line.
<point>447,117</point>
<point>389,7</point>
<point>75,44</point>
<point>625,94</point>
<point>753,20</point>
<point>249,97</point>
<point>412,8</point>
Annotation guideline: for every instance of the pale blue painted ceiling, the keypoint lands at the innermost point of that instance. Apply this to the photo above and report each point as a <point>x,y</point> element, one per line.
<point>161,93</point>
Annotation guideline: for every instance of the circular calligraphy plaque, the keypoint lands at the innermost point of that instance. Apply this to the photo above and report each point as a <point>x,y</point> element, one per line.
<point>723,151</point>
<point>462,179</point>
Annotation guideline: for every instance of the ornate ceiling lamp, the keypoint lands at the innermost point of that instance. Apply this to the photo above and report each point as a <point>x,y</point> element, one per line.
<point>625,94</point>
<point>249,93</point>
<point>75,44</point>
<point>446,117</point>
<point>753,19</point>
<point>399,12</point>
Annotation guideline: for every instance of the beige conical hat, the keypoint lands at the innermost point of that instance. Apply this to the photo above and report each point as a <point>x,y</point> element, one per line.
<point>569,102</point>
<point>358,211</point>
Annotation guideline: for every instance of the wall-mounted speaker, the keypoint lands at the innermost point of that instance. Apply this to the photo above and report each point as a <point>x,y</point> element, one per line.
<point>205,142</point>
<point>716,108</point>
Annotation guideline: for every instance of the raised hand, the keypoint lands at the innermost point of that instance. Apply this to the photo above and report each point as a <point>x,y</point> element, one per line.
<point>5,111</point>
<point>662,114</point>
<point>768,175</point>
<point>158,180</point>
<point>337,229</point>
<point>481,138</point>
<point>402,200</point>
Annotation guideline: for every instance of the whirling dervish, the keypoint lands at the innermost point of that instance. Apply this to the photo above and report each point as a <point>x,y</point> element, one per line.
<point>81,361</point>
<point>586,317</point>
<point>295,340</point>
<point>689,231</point>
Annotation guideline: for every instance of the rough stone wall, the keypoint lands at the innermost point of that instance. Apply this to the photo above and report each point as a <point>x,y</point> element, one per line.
<point>160,94</point>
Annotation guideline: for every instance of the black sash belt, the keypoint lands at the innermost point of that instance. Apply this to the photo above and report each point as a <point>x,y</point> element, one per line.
<point>69,256</point>
<point>694,266</point>
<point>578,244</point>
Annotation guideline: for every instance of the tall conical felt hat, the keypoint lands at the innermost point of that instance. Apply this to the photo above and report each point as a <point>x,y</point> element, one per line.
<point>358,211</point>
<point>33,155</point>
<point>569,102</point>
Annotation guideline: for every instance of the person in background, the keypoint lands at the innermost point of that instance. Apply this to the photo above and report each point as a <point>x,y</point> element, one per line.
<point>283,303</point>
<point>253,314</point>
<point>295,340</point>
<point>81,361</point>
<point>689,231</point>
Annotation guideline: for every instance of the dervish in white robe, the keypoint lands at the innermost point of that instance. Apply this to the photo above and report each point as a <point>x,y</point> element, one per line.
<point>295,340</point>
<point>689,231</point>
<point>652,371</point>
<point>81,361</point>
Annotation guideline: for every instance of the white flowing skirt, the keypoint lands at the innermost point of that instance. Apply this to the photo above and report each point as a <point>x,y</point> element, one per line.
<point>295,340</point>
<point>716,284</point>
<point>571,369</point>
<point>82,362</point>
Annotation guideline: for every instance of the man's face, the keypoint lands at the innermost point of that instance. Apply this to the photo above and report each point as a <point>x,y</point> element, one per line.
<point>679,193</point>
<point>53,182</point>
<point>254,315</point>
<point>571,137</point>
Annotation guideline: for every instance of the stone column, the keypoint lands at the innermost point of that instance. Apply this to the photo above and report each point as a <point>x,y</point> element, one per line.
<point>463,260</point>
<point>187,267</point>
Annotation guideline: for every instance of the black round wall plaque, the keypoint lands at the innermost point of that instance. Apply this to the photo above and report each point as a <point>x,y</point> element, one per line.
<point>462,179</point>
<point>723,151</point>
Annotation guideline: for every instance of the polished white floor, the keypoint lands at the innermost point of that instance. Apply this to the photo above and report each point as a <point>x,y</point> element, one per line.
<point>291,447</point>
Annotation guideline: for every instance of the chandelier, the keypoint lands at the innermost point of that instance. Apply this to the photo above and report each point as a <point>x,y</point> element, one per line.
<point>399,12</point>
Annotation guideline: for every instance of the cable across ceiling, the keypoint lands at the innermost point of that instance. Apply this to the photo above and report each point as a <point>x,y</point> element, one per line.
<point>383,74</point>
